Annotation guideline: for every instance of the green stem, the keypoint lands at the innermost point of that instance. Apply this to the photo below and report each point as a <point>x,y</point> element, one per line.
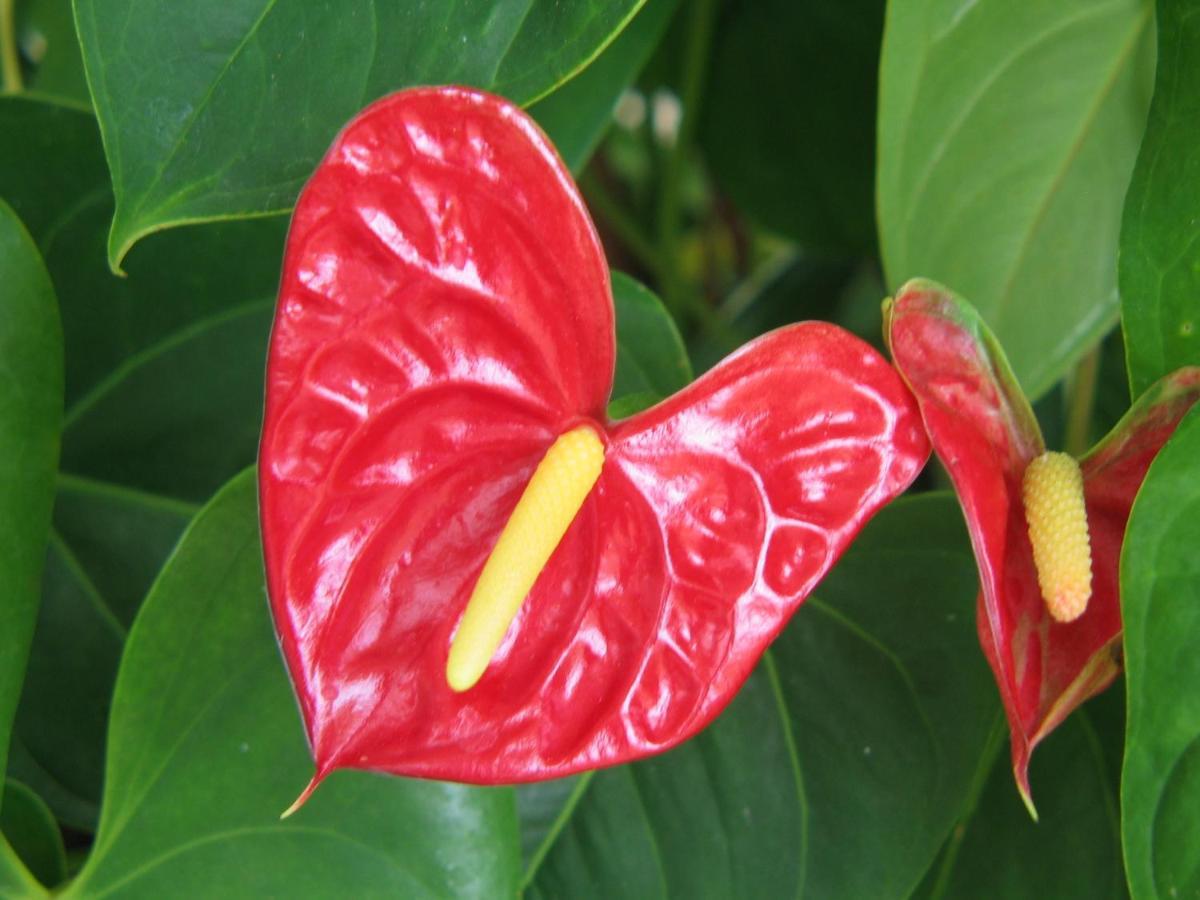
<point>623,225</point>
<point>695,65</point>
<point>10,61</point>
<point>1081,400</point>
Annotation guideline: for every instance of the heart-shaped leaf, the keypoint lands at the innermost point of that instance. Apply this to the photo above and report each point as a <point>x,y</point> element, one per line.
<point>444,316</point>
<point>205,749</point>
<point>841,765</point>
<point>1160,232</point>
<point>290,74</point>
<point>1160,602</point>
<point>31,391</point>
<point>1007,133</point>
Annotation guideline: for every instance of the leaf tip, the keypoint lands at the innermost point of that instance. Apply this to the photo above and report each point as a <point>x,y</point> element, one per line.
<point>303,798</point>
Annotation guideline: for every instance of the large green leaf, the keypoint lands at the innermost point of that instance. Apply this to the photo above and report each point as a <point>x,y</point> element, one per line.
<point>31,398</point>
<point>651,359</point>
<point>164,388</point>
<point>1073,851</point>
<point>1007,134</point>
<point>577,114</point>
<point>789,122</point>
<point>205,748</point>
<point>32,833</point>
<point>169,82</point>
<point>1160,602</point>
<point>839,768</point>
<point>1160,234</point>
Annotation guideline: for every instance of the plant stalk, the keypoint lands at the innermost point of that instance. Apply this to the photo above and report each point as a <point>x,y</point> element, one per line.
<point>10,60</point>
<point>695,67</point>
<point>1081,401</point>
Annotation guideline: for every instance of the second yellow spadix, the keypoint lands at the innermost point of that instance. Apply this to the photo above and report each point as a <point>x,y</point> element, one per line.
<point>560,484</point>
<point>1056,513</point>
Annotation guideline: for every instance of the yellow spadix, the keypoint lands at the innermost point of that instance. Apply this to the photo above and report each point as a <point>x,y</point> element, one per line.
<point>560,484</point>
<point>1058,531</point>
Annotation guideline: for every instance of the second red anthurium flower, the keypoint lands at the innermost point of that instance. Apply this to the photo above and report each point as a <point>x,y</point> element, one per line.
<point>473,573</point>
<point>1047,531</point>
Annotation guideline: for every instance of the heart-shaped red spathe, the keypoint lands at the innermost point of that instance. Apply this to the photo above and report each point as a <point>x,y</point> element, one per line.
<point>444,316</point>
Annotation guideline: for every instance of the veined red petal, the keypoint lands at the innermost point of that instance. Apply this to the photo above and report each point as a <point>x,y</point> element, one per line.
<point>984,432</point>
<point>444,316</point>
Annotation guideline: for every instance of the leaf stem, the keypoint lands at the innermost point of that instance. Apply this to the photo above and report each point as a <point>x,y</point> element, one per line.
<point>10,61</point>
<point>695,67</point>
<point>1081,400</point>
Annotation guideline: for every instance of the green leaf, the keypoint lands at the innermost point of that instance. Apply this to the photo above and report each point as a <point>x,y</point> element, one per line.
<point>50,160</point>
<point>576,114</point>
<point>789,121</point>
<point>16,882</point>
<point>46,32</point>
<point>164,394</point>
<point>205,749</point>
<point>290,75</point>
<point>651,360</point>
<point>1007,134</point>
<point>839,768</point>
<point>1073,851</point>
<point>31,392</point>
<point>1160,233</point>
<point>1160,603</point>
<point>32,833</point>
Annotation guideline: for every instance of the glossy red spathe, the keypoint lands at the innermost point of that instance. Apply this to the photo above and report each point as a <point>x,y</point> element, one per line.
<point>984,432</point>
<point>444,316</point>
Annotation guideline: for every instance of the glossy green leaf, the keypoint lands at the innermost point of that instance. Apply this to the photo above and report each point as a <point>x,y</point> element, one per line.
<point>1160,603</point>
<point>1160,233</point>
<point>789,121</point>
<point>164,395</point>
<point>1073,851</point>
<point>651,359</point>
<point>46,32</point>
<point>31,397</point>
<point>839,768</point>
<point>1007,134</point>
<point>32,833</point>
<point>167,83</point>
<point>576,115</point>
<point>205,748</point>
<point>16,881</point>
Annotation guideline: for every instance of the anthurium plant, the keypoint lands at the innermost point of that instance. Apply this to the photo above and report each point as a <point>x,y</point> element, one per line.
<point>638,448</point>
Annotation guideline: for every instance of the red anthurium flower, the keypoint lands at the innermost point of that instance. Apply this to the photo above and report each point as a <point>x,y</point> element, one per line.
<point>444,329</point>
<point>1050,644</point>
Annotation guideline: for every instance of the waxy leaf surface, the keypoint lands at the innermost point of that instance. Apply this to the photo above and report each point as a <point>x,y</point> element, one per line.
<point>168,84</point>
<point>31,391</point>
<point>205,749</point>
<point>1007,134</point>
<point>1160,581</point>
<point>1160,232</point>
<point>444,316</point>
<point>163,393</point>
